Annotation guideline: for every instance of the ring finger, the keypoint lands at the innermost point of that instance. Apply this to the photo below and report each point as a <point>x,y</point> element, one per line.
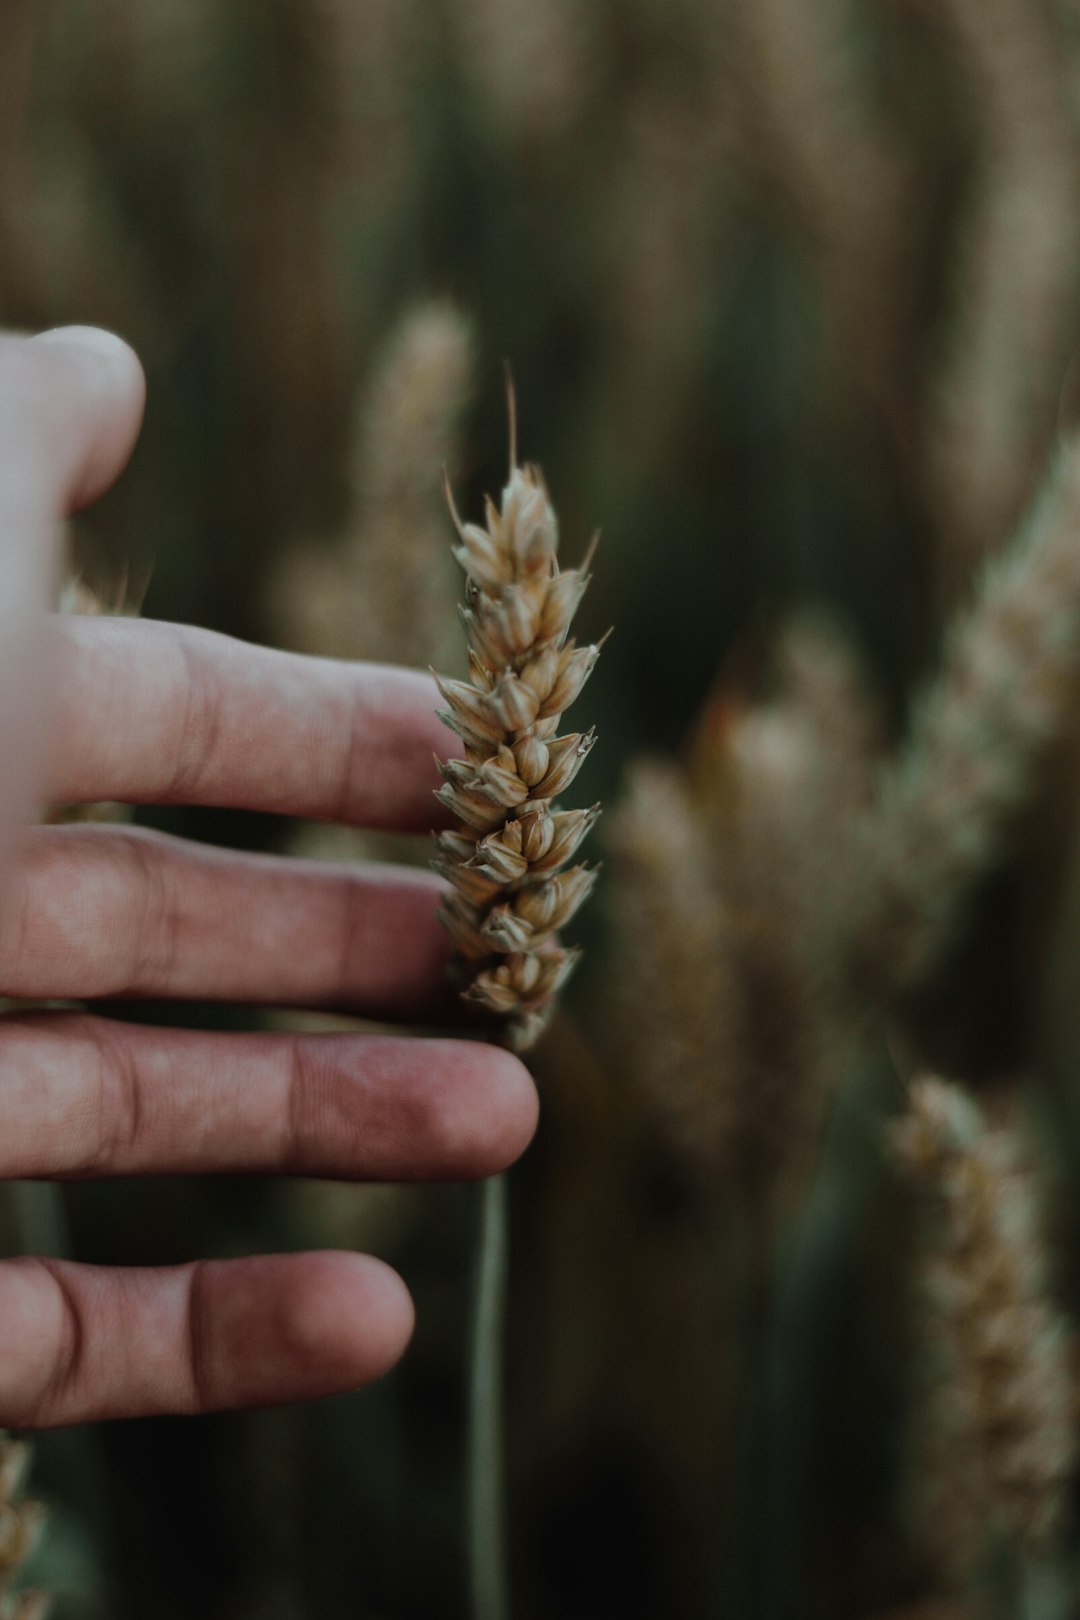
<point>83,1096</point>
<point>92,912</point>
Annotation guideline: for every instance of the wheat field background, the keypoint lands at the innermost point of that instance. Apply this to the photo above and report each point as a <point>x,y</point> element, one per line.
<point>790,294</point>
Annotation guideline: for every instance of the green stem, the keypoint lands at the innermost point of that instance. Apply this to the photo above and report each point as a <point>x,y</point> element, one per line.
<point>487,1500</point>
<point>1041,1589</point>
<point>41,1219</point>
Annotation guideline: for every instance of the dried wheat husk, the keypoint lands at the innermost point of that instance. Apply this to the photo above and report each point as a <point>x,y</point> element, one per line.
<point>510,887</point>
<point>736,885</point>
<point>21,1525</point>
<point>998,1434</point>
<point>784,786</point>
<point>978,736</point>
<point>817,139</point>
<point>1015,320</point>
<point>676,1003</point>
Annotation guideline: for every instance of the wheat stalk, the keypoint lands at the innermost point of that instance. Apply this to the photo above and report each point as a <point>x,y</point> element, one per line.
<point>668,267</point>
<point>534,64</point>
<point>1001,1401</point>
<point>816,138</point>
<point>510,888</point>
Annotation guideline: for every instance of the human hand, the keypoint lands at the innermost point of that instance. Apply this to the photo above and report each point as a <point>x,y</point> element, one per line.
<point>143,712</point>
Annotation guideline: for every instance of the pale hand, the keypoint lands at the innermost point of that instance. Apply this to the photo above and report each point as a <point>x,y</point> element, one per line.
<point>142,712</point>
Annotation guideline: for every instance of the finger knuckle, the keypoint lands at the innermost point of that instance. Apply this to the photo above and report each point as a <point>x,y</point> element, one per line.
<point>119,1110</point>
<point>199,719</point>
<point>53,1383</point>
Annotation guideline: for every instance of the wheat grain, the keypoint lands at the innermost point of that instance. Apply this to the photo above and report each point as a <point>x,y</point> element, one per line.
<point>510,888</point>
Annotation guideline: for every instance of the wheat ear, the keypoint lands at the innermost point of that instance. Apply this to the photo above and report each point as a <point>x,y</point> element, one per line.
<point>533,63</point>
<point>744,885</point>
<point>511,889</point>
<point>828,151</point>
<point>676,998</point>
<point>668,270</point>
<point>379,590</point>
<point>977,736</point>
<point>1002,1397</point>
<point>21,1523</point>
<point>993,407</point>
<point>408,427</point>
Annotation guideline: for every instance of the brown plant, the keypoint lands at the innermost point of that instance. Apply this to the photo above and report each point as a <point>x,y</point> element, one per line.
<point>993,406</point>
<point>978,736</point>
<point>999,1430</point>
<point>511,890</point>
<point>379,590</point>
<point>20,1527</point>
<point>676,1001</point>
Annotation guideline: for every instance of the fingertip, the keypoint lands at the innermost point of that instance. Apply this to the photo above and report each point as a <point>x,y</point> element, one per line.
<point>389,1313</point>
<point>297,1327</point>
<point>483,1112</point>
<point>351,1318</point>
<point>94,340</point>
<point>101,403</point>
<point>514,1112</point>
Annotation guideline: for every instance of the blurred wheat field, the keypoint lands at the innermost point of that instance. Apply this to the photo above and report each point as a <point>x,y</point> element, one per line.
<point>790,292</point>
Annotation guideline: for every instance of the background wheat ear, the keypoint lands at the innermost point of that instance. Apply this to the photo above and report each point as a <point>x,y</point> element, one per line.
<point>21,1524</point>
<point>511,889</point>
<point>998,1440</point>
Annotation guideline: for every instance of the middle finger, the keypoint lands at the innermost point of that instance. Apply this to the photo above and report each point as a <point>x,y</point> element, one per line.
<point>85,1096</point>
<point>94,911</point>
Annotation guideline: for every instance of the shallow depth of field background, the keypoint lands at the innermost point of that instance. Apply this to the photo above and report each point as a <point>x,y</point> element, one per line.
<point>790,291</point>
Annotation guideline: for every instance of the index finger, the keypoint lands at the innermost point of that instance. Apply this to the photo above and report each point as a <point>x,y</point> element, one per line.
<point>153,713</point>
<point>70,406</point>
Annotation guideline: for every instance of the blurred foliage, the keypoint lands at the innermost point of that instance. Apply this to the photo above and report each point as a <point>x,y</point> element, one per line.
<point>789,291</point>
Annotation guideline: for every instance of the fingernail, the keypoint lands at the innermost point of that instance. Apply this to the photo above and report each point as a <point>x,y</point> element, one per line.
<point>92,339</point>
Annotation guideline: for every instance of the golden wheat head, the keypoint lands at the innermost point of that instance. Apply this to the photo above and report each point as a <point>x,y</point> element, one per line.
<point>511,887</point>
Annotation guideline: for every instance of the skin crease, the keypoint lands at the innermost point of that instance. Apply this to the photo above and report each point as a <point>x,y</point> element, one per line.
<point>154,713</point>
